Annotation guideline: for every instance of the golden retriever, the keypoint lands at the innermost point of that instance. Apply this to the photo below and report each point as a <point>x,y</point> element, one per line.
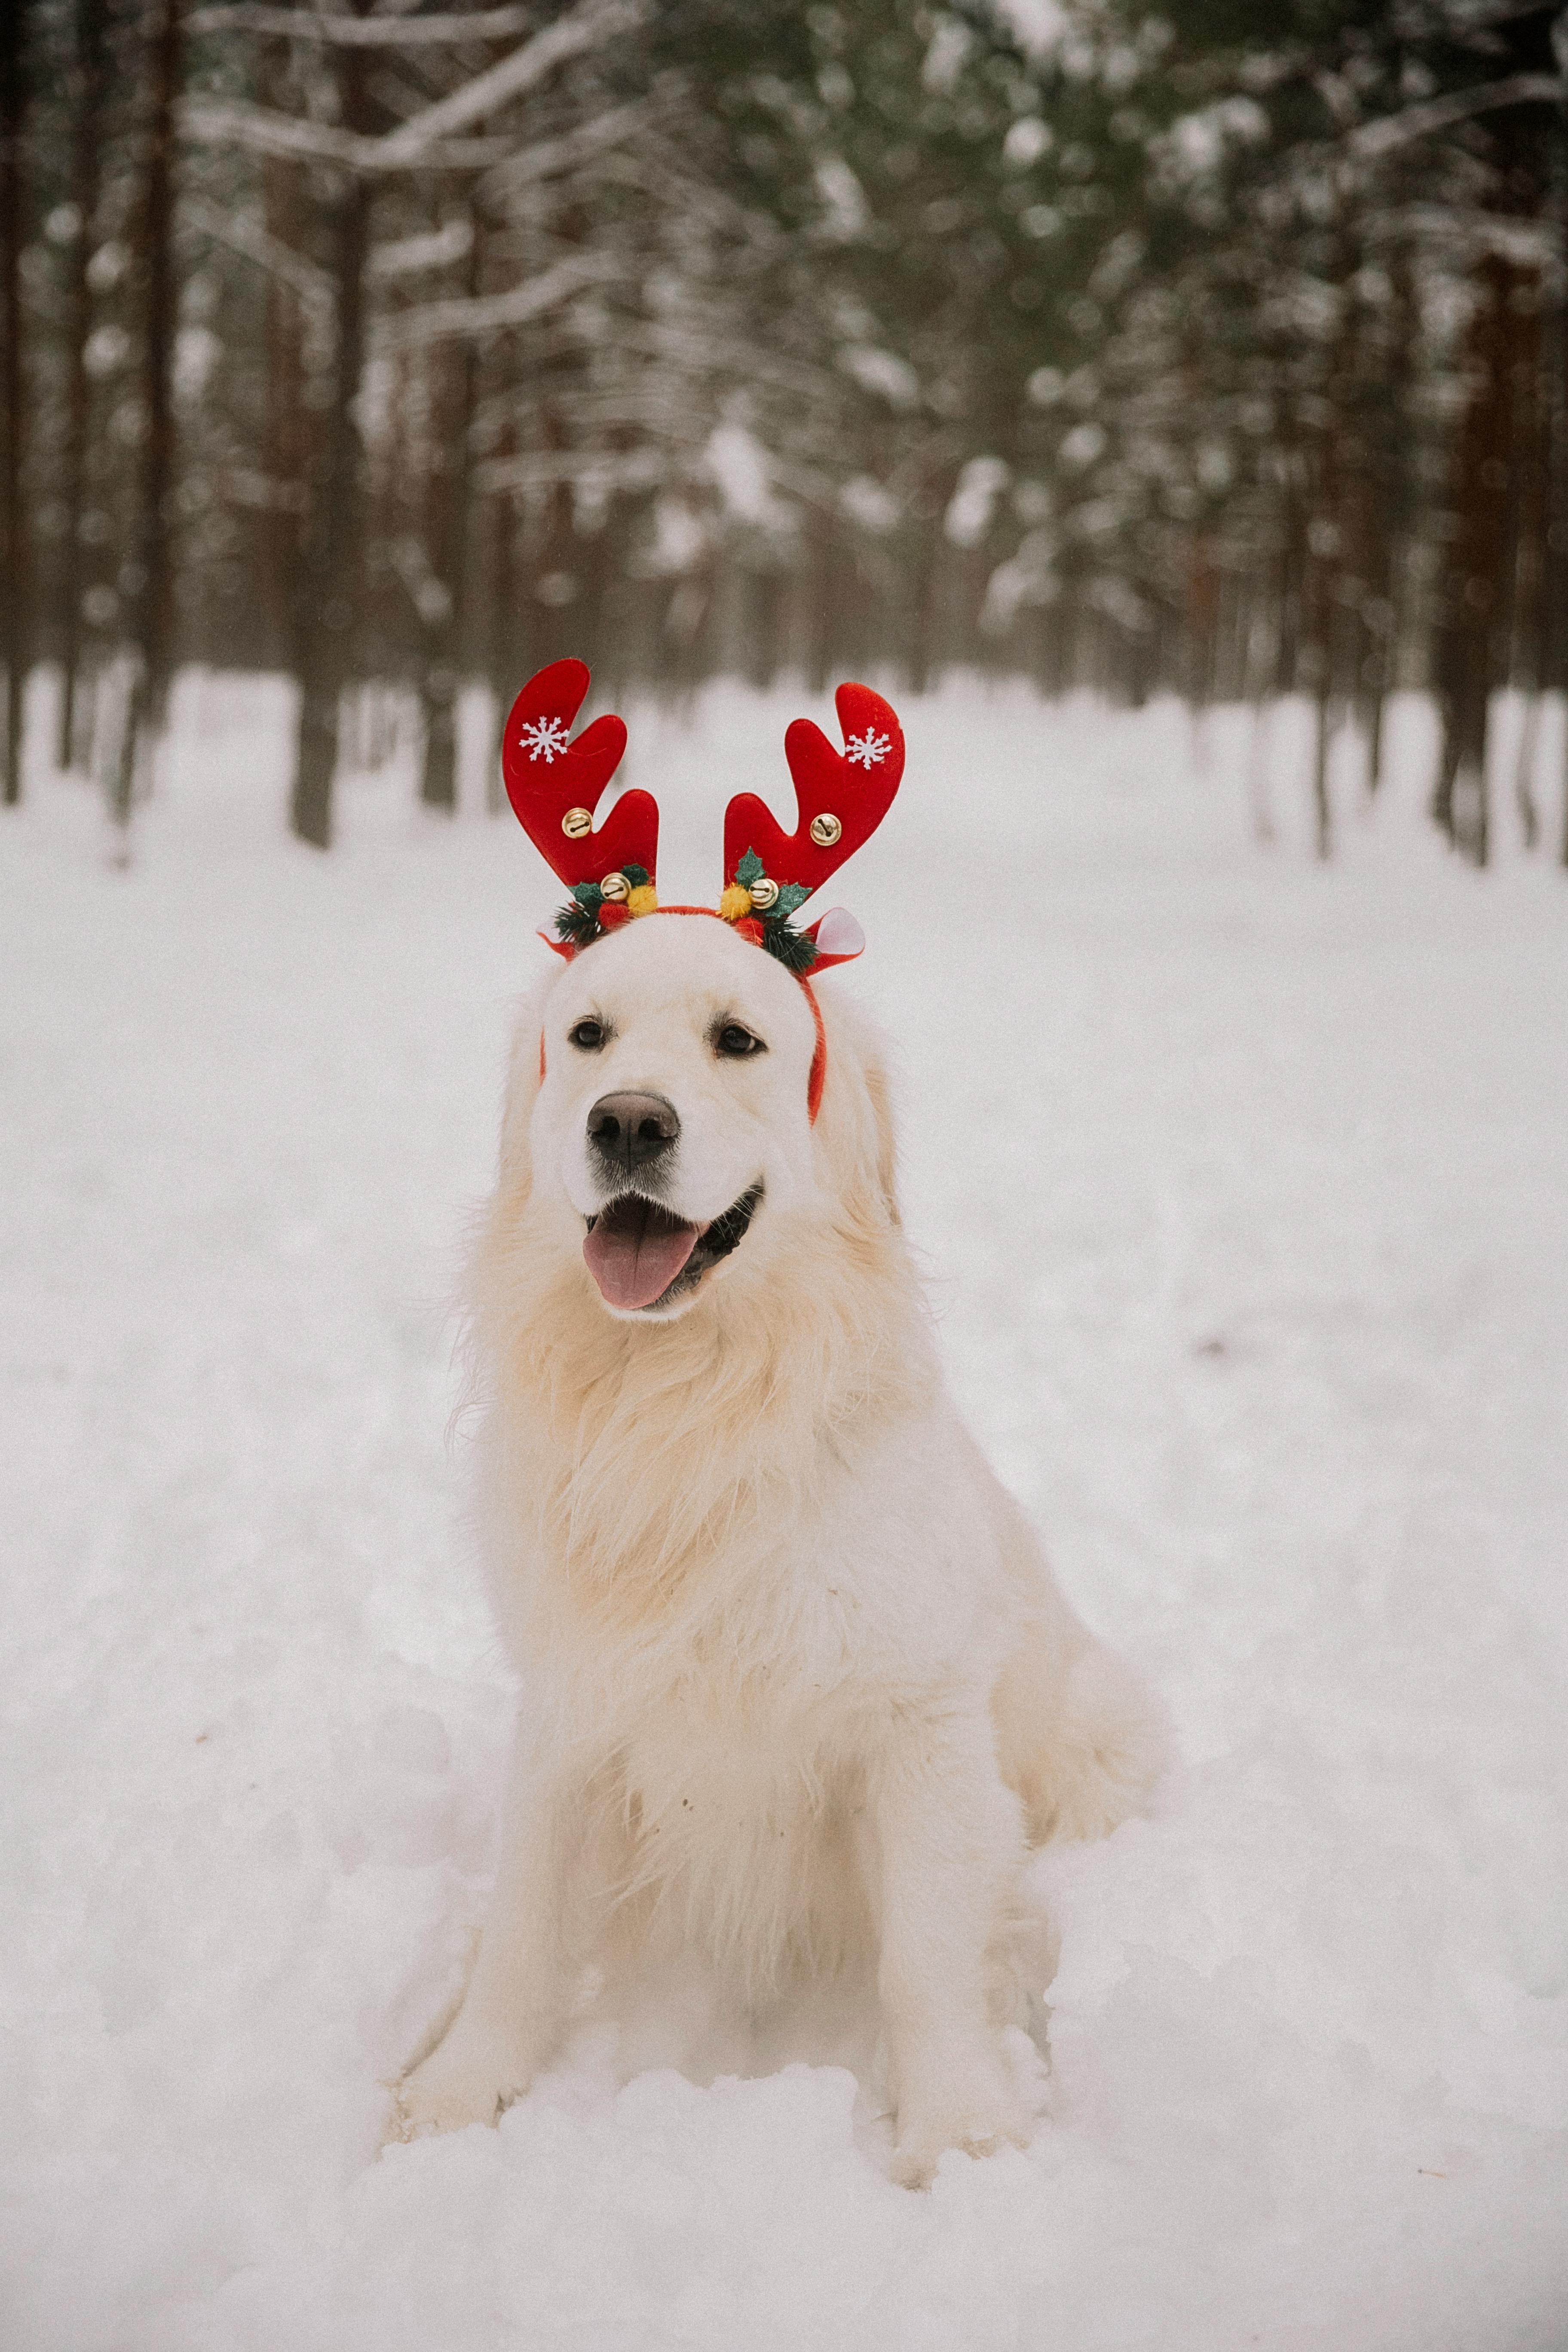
<point>797,1685</point>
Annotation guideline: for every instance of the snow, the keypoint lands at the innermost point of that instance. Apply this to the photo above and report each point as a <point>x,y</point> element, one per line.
<point>1242,1185</point>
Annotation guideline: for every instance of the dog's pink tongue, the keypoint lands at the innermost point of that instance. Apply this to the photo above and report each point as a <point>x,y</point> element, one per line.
<point>635,1250</point>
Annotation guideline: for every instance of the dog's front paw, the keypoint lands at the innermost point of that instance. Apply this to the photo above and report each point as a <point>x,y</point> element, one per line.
<point>464,2081</point>
<point>978,2110</point>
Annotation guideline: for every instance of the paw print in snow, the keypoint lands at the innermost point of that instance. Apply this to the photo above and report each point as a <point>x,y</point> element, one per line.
<point>542,737</point>
<point>867,751</point>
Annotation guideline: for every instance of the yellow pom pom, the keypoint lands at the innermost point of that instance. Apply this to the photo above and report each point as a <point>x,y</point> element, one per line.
<point>735,902</point>
<point>643,901</point>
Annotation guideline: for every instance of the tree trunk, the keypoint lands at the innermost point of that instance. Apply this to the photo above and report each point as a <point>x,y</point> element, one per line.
<point>922,665</point>
<point>503,634</point>
<point>817,631</point>
<point>1376,710</point>
<point>1554,401</point>
<point>1529,655</point>
<point>1322,812</point>
<point>450,488</point>
<point>925,643</point>
<point>149,578</point>
<point>1257,668</point>
<point>288,438</point>
<point>1200,612</point>
<point>89,91</point>
<point>1468,638</point>
<point>1524,773</point>
<point>325,575</point>
<point>14,599</point>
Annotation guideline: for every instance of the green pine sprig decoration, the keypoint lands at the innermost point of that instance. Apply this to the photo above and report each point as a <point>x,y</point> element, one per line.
<point>578,921</point>
<point>791,948</point>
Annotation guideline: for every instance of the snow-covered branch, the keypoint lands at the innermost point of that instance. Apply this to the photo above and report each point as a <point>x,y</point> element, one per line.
<point>481,314</point>
<point>426,139</point>
<point>406,257</point>
<point>360,32</point>
<point>1392,131</point>
<point>547,158</point>
<point>723,354</point>
<point>244,236</point>
<point>583,28</point>
<point>605,469</point>
<point>1470,230</point>
<point>212,122</point>
<point>245,486</point>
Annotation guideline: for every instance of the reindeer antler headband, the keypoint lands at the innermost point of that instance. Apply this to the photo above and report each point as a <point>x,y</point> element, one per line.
<point>554,784</point>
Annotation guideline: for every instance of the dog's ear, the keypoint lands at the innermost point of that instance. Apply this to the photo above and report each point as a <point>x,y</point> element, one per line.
<point>524,1072</point>
<point>857,1119</point>
<point>880,1093</point>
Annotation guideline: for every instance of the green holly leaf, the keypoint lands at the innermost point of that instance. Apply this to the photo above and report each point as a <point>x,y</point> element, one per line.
<point>792,895</point>
<point>749,870</point>
<point>588,894</point>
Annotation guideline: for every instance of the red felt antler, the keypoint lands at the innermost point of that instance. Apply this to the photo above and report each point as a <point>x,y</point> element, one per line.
<point>842,796</point>
<point>553,784</point>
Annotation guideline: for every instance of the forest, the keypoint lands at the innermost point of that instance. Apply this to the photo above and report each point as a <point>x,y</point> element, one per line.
<point>1213,347</point>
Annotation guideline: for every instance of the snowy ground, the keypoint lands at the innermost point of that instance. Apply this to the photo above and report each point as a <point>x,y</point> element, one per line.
<point>1244,1188</point>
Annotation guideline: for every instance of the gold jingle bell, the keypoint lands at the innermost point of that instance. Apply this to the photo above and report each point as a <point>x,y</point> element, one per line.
<point>826,829</point>
<point>577,824</point>
<point>763,894</point>
<point>616,888</point>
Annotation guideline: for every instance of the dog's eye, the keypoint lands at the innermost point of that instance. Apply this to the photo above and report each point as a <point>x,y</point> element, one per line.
<point>588,1036</point>
<point>736,1043</point>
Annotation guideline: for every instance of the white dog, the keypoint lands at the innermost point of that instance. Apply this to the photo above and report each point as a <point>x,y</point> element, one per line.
<point>797,1683</point>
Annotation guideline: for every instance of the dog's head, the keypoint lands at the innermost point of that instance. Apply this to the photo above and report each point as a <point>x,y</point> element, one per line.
<point>658,1118</point>
<point>670,1129</point>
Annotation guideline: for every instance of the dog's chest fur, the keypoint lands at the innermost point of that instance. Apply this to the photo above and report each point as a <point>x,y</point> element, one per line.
<point>742,1813</point>
<point>743,1713</point>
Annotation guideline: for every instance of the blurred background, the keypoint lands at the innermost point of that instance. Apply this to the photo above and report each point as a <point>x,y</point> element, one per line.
<point>1215,348</point>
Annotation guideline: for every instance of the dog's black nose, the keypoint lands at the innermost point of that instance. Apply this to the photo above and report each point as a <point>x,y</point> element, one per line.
<point>628,1130</point>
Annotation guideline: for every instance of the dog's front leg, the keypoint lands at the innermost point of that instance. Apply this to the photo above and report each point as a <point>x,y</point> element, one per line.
<point>523,1974</point>
<point>950,1839</point>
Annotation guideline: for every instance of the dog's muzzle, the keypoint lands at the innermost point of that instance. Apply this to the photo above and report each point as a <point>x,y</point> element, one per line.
<point>641,1254</point>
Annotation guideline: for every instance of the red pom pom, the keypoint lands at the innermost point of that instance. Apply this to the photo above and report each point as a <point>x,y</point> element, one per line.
<point>613,913</point>
<point>748,927</point>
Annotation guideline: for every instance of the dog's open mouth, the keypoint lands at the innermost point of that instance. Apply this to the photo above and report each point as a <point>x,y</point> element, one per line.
<point>641,1254</point>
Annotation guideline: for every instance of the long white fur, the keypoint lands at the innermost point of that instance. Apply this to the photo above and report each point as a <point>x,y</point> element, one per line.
<point>797,1686</point>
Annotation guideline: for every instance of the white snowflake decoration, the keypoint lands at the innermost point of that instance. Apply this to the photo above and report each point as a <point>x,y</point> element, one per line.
<point>867,751</point>
<point>542,737</point>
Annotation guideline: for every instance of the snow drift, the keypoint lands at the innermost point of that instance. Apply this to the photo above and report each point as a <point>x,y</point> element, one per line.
<point>1256,1293</point>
